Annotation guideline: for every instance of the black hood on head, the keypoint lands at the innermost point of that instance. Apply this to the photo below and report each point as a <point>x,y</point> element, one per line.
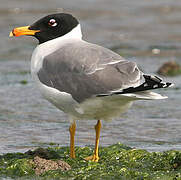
<point>54,26</point>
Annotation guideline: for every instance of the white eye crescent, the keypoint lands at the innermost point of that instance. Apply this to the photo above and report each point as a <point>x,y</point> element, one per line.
<point>52,22</point>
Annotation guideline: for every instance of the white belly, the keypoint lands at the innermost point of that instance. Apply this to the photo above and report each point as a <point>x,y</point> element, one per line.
<point>103,108</point>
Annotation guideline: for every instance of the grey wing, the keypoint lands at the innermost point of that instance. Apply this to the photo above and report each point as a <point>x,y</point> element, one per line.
<point>85,70</point>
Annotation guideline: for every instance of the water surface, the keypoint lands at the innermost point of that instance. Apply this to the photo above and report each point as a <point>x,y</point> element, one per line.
<point>132,28</point>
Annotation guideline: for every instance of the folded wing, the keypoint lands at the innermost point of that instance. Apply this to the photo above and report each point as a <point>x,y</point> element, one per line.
<point>85,70</point>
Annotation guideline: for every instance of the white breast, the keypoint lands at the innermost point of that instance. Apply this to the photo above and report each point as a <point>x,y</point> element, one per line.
<point>61,100</point>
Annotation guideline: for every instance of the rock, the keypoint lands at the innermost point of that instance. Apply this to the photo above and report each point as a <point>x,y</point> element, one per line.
<point>43,153</point>
<point>42,165</point>
<point>170,68</point>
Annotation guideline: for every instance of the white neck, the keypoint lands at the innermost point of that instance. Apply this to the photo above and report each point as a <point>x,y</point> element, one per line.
<point>75,33</point>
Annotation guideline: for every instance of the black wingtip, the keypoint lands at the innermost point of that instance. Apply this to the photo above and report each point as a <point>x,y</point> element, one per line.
<point>151,83</point>
<point>155,81</point>
<point>169,84</point>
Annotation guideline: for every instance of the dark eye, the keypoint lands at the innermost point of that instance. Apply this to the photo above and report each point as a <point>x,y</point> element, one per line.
<point>52,22</point>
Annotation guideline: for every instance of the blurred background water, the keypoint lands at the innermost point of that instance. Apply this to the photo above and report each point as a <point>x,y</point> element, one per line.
<point>132,28</point>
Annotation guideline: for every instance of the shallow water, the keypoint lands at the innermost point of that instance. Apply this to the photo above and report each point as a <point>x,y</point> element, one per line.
<point>132,28</point>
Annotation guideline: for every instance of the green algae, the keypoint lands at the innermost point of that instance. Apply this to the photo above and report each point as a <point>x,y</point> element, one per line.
<point>174,72</point>
<point>116,162</point>
<point>24,82</point>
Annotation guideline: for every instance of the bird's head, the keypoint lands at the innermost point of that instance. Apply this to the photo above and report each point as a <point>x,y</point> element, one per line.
<point>48,27</point>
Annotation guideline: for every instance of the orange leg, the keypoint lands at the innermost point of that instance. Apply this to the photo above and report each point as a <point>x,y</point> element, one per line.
<point>95,156</point>
<point>72,129</point>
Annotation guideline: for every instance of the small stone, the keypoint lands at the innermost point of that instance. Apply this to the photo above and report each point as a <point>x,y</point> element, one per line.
<point>156,51</point>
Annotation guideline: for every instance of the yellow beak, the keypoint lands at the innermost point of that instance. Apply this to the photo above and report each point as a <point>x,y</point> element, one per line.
<point>22,31</point>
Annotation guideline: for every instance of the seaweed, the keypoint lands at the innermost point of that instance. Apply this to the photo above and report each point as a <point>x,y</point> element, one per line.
<point>116,162</point>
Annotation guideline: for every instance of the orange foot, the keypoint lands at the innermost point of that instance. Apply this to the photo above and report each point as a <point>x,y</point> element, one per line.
<point>92,158</point>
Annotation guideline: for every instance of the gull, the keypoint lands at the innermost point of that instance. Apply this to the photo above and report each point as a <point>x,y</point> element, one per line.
<point>84,80</point>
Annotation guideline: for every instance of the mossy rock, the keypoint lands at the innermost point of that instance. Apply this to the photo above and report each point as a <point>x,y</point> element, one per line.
<point>170,68</point>
<point>116,162</point>
<point>24,82</point>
